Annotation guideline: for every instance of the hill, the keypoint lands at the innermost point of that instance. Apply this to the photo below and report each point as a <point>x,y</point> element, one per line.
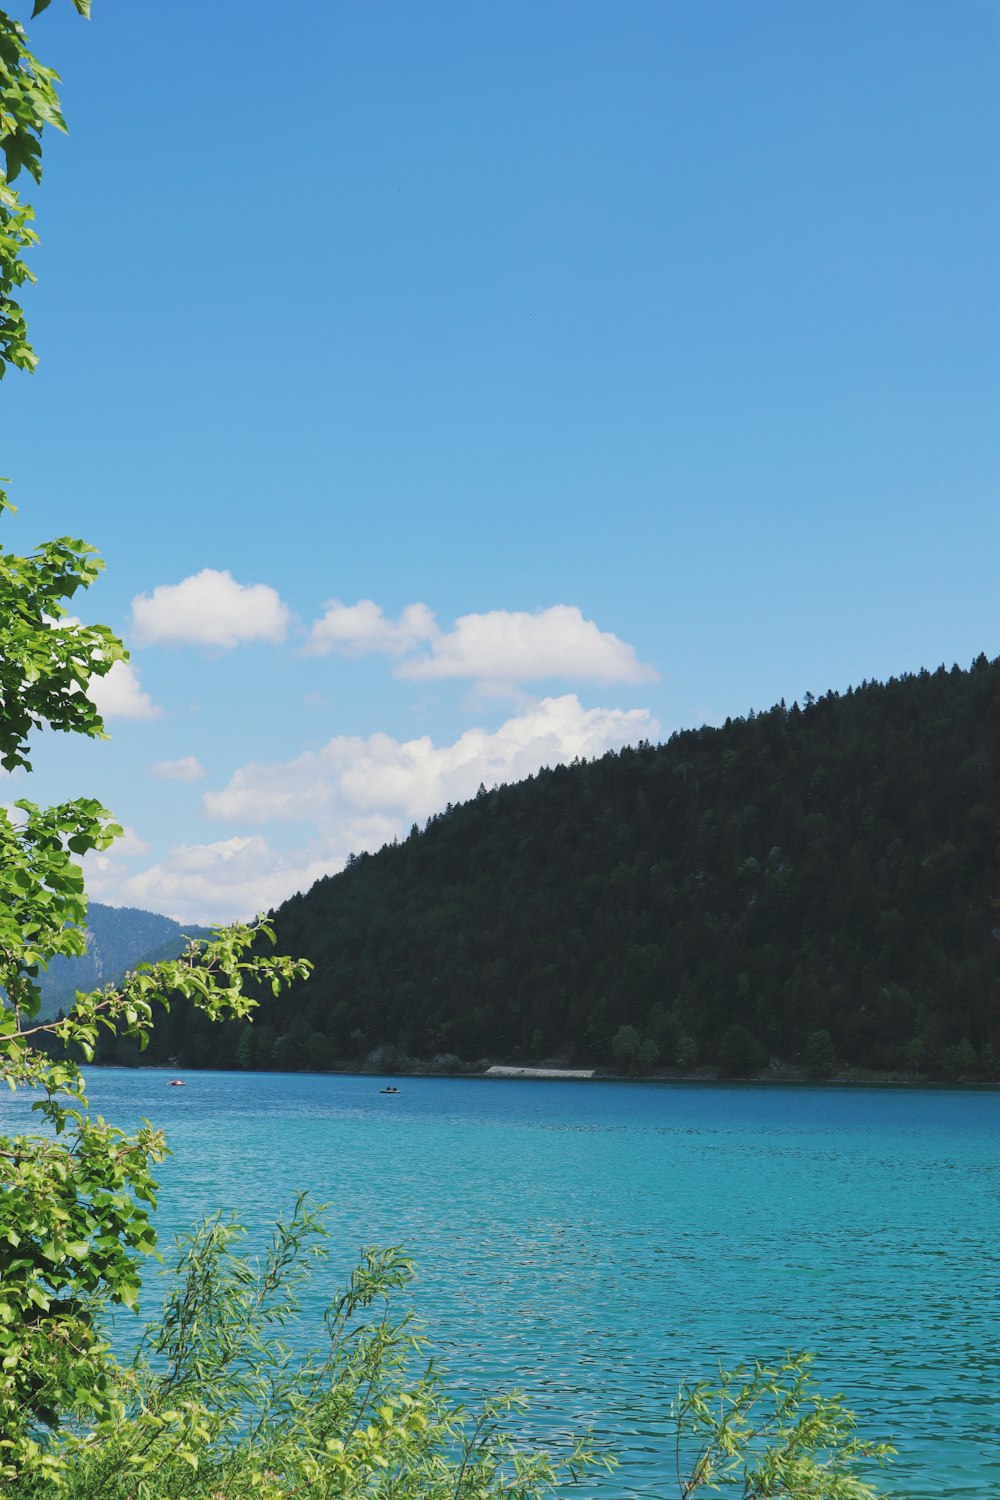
<point>118,937</point>
<point>818,886</point>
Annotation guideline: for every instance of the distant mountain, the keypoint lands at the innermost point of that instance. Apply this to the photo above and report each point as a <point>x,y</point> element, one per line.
<point>813,887</point>
<point>118,937</point>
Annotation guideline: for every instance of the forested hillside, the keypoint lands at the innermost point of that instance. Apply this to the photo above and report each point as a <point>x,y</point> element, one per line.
<point>118,937</point>
<point>816,885</point>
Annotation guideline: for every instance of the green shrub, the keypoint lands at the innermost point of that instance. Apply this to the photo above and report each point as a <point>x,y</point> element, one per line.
<point>766,1433</point>
<point>687,1051</point>
<point>818,1055</point>
<point>214,1407</point>
<point>740,1053</point>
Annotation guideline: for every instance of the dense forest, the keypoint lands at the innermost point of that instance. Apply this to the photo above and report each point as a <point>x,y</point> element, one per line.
<point>811,888</point>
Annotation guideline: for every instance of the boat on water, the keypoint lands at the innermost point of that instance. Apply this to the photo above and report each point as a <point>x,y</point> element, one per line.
<point>389,1090</point>
<point>176,1083</point>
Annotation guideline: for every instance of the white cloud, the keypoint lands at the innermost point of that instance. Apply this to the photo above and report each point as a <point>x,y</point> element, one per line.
<point>504,646</point>
<point>398,781</point>
<point>209,609</point>
<point>356,794</point>
<point>120,695</point>
<point>187,768</point>
<point>226,881</point>
<point>496,649</point>
<point>128,845</point>
<point>104,870</point>
<point>355,629</point>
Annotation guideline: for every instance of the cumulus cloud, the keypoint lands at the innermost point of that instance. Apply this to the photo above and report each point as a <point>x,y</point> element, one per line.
<point>104,870</point>
<point>209,609</point>
<point>187,768</point>
<point>128,844</point>
<point>120,695</point>
<point>514,646</point>
<point>353,794</point>
<point>396,781</point>
<point>496,649</point>
<point>355,629</point>
<point>229,880</point>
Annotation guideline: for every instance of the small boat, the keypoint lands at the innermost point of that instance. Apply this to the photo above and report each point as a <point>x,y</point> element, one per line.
<point>389,1090</point>
<point>176,1083</point>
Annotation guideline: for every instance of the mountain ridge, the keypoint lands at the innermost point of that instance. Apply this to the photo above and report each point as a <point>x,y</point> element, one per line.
<point>118,938</point>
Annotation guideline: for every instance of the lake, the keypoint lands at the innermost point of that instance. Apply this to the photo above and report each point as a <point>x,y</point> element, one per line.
<point>594,1244</point>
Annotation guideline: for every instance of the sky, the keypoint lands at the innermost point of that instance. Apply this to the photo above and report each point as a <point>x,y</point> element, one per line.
<point>453,390</point>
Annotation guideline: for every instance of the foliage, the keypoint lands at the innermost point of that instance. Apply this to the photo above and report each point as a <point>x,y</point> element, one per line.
<point>819,1056</point>
<point>212,1408</point>
<point>76,1200</point>
<point>767,1434</point>
<point>214,1405</point>
<point>626,1044</point>
<point>686,1052</point>
<point>77,1195</point>
<point>47,659</point>
<point>830,869</point>
<point>211,1405</point>
<point>740,1052</point>
<point>28,102</point>
<point>117,939</point>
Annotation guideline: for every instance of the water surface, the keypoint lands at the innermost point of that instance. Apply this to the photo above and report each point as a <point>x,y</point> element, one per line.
<point>594,1244</point>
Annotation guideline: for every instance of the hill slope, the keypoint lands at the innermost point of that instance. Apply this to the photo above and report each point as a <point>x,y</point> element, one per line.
<point>819,885</point>
<point>118,937</point>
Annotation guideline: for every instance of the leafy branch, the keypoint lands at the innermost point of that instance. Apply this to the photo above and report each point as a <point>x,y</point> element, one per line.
<point>766,1433</point>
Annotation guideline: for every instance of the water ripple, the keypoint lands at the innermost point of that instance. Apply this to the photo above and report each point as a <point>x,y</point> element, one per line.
<point>596,1244</point>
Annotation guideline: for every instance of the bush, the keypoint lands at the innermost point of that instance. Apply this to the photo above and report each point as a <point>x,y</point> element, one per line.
<point>687,1051</point>
<point>819,1057</point>
<point>960,1062</point>
<point>626,1044</point>
<point>213,1407</point>
<point>648,1055</point>
<point>767,1432</point>
<point>740,1053</point>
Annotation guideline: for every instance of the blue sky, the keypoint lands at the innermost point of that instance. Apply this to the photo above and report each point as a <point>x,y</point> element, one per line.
<point>653,343</point>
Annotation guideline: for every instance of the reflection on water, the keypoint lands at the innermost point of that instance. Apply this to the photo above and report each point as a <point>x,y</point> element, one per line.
<point>595,1244</point>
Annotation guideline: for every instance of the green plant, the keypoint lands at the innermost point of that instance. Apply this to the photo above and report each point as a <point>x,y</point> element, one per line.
<point>686,1052</point>
<point>77,1193</point>
<point>77,1196</point>
<point>213,1405</point>
<point>28,102</point>
<point>625,1045</point>
<point>818,1054</point>
<point>740,1053</point>
<point>766,1433</point>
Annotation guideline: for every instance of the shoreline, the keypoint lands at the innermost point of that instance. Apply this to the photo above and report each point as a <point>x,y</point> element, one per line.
<point>539,1073</point>
<point>505,1070</point>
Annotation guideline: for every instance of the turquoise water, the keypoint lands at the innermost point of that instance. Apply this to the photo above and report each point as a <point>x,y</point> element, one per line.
<point>595,1244</point>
